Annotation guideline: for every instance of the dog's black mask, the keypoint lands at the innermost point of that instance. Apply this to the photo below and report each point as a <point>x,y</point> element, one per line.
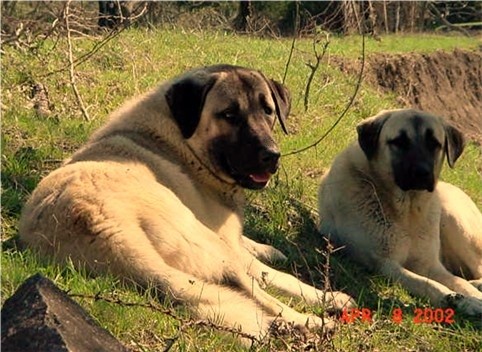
<point>242,146</point>
<point>250,158</point>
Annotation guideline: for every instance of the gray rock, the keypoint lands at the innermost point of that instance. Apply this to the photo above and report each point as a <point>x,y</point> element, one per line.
<point>40,317</point>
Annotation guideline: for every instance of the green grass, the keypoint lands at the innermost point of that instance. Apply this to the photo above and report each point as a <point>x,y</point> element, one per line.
<point>283,215</point>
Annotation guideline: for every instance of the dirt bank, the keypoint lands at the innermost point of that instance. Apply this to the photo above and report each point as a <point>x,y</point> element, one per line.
<point>444,83</point>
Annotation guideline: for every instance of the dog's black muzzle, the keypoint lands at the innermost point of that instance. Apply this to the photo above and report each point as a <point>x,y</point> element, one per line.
<point>416,176</point>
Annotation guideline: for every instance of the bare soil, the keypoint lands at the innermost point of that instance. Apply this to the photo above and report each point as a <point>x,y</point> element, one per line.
<point>448,84</point>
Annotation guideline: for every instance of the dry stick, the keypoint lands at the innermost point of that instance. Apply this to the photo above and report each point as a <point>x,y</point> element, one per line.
<point>326,284</point>
<point>314,68</point>
<point>96,47</point>
<point>326,273</point>
<point>112,34</point>
<point>350,103</point>
<point>356,9</point>
<point>327,265</point>
<point>326,270</point>
<point>71,65</point>
<point>297,23</point>
<point>81,59</point>
<point>185,323</point>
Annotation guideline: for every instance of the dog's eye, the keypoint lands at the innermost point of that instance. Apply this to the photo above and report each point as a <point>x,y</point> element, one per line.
<point>268,110</point>
<point>228,115</point>
<point>432,143</point>
<point>401,142</point>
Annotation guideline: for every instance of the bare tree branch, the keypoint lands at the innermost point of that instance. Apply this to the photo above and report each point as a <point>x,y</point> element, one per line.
<point>111,35</point>
<point>441,17</point>
<point>295,35</point>
<point>314,68</point>
<point>184,323</point>
<point>71,64</point>
<point>350,103</point>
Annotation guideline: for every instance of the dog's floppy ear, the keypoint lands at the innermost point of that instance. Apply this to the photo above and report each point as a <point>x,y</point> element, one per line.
<point>454,144</point>
<point>369,133</point>
<point>186,99</point>
<point>282,99</point>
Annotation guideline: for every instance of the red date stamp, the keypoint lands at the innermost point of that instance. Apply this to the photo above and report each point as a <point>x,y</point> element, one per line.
<point>352,315</point>
<point>430,315</point>
<point>420,315</point>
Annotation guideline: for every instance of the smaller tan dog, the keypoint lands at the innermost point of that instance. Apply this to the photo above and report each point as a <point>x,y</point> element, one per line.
<point>382,200</point>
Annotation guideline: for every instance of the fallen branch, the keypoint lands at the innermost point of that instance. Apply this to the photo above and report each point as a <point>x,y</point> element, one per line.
<point>468,24</point>
<point>441,17</point>
<point>71,65</point>
<point>184,323</point>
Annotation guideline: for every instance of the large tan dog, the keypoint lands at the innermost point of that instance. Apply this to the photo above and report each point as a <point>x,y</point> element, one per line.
<point>381,200</point>
<point>156,196</point>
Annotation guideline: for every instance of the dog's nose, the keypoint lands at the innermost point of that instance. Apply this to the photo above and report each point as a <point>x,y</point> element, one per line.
<point>269,157</point>
<point>422,178</point>
<point>422,172</point>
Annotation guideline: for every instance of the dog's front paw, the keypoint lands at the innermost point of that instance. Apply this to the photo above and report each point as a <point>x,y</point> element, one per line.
<point>477,284</point>
<point>338,301</point>
<point>314,322</point>
<point>310,329</point>
<point>264,252</point>
<point>469,306</point>
<point>272,254</point>
<point>267,253</point>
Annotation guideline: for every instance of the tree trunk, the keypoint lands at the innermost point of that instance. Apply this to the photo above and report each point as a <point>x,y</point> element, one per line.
<point>113,13</point>
<point>385,17</point>
<point>240,22</point>
<point>352,16</point>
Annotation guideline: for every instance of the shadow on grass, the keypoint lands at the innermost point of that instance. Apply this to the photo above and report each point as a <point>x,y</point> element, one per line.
<point>309,254</point>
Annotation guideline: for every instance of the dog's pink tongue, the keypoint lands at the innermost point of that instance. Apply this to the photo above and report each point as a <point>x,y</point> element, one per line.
<point>261,177</point>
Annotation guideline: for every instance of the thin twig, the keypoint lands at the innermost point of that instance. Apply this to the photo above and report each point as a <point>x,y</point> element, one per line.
<point>327,266</point>
<point>314,68</point>
<point>185,323</point>
<point>350,103</point>
<point>71,65</point>
<point>293,42</point>
<point>111,35</point>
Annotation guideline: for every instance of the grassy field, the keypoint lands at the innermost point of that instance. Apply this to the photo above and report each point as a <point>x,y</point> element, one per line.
<point>284,215</point>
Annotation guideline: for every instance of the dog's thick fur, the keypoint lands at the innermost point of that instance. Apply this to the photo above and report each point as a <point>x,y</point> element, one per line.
<point>382,200</point>
<point>156,196</point>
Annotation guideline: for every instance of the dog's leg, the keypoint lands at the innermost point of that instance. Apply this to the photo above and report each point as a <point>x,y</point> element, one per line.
<point>457,284</point>
<point>462,243</point>
<point>477,284</point>
<point>241,304</point>
<point>438,293</point>
<point>461,233</point>
<point>230,269</point>
<point>217,303</point>
<point>263,251</point>
<point>286,313</point>
<point>294,287</point>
